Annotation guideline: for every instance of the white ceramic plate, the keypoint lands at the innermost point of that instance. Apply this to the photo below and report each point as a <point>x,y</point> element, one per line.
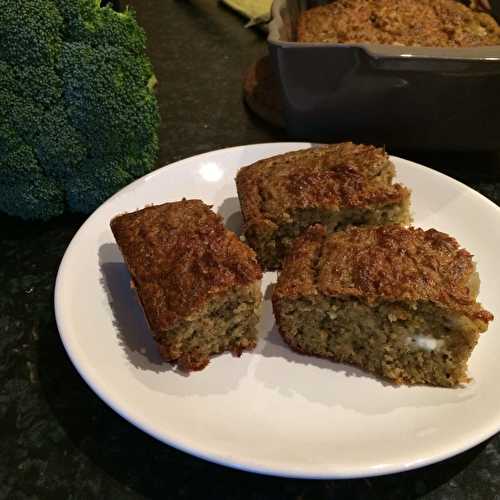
<point>274,411</point>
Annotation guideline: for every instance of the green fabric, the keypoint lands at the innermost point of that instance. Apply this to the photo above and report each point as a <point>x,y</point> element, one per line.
<point>257,11</point>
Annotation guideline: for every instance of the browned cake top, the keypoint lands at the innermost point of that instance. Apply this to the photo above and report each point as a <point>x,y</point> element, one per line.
<point>336,176</point>
<point>427,23</point>
<point>383,263</point>
<point>179,255</point>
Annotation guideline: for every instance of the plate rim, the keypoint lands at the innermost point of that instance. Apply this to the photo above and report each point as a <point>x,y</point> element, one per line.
<point>240,463</point>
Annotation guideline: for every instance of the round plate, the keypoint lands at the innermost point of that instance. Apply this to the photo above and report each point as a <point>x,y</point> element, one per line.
<point>274,411</point>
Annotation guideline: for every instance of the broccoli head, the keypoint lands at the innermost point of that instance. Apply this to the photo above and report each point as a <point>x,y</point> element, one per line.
<point>78,114</point>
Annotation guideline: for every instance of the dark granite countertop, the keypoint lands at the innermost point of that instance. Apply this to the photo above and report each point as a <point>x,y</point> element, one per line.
<point>58,439</point>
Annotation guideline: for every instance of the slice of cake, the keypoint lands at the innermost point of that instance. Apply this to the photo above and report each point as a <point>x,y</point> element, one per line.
<point>397,302</point>
<point>198,284</point>
<point>426,23</point>
<point>335,185</point>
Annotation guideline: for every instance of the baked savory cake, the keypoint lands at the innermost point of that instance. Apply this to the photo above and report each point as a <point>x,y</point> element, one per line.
<point>198,284</point>
<point>426,23</point>
<point>397,302</point>
<point>335,185</point>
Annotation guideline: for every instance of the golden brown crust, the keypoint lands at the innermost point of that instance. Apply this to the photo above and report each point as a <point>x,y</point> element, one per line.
<point>384,263</point>
<point>428,23</point>
<point>336,176</point>
<point>179,256</point>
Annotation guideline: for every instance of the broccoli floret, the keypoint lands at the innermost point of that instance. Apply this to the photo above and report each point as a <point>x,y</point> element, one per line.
<point>78,114</point>
<point>103,26</point>
<point>39,83</point>
<point>34,192</point>
<point>29,31</point>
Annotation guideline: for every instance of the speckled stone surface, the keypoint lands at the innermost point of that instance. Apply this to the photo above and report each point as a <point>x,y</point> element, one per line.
<point>58,440</point>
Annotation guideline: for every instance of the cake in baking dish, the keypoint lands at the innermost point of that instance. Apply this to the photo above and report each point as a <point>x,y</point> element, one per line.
<point>426,23</point>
